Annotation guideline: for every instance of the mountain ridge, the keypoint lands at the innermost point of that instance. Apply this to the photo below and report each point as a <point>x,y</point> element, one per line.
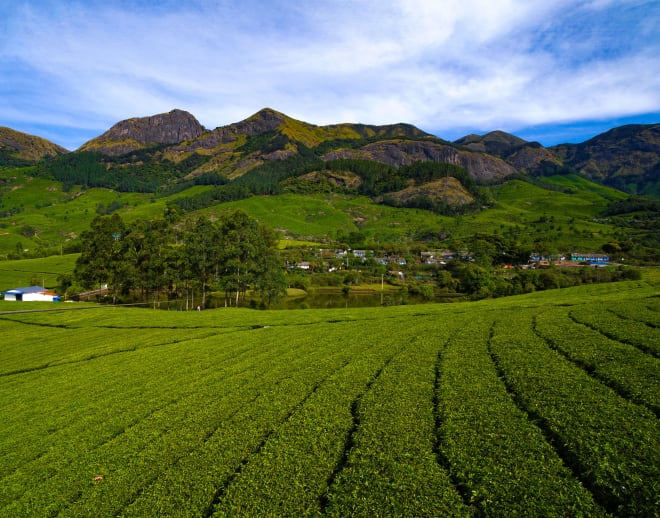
<point>17,147</point>
<point>620,157</point>
<point>625,157</point>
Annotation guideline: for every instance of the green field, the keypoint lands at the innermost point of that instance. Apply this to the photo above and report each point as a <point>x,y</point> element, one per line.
<point>539,405</point>
<point>41,272</point>
<point>38,218</point>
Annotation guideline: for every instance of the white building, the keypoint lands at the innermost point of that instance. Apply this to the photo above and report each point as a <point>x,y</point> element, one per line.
<point>31,294</point>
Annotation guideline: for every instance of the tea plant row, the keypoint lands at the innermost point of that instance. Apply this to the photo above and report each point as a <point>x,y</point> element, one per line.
<point>611,444</point>
<point>485,409</point>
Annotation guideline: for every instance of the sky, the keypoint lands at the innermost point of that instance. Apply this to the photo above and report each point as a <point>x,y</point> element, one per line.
<point>549,71</point>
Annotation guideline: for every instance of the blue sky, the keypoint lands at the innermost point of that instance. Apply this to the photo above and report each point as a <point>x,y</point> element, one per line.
<point>552,71</point>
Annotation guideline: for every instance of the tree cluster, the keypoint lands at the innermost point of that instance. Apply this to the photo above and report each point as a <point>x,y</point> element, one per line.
<point>480,282</point>
<point>376,179</point>
<point>183,261</point>
<point>142,170</point>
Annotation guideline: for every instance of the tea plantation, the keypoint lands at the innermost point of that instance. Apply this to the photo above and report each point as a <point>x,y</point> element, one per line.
<point>545,404</point>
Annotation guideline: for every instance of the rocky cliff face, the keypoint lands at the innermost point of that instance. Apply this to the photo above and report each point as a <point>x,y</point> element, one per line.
<point>404,152</point>
<point>522,155</point>
<point>167,128</point>
<point>261,122</point>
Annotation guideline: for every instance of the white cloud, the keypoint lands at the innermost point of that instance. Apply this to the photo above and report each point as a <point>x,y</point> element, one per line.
<point>456,63</point>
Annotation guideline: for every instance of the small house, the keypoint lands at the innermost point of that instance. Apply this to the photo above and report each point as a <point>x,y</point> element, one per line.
<point>592,259</point>
<point>31,294</point>
<point>427,257</point>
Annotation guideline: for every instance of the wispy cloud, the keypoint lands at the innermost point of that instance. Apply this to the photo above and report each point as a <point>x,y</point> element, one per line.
<point>446,66</point>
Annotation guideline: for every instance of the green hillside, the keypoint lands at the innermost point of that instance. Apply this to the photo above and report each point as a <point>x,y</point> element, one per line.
<point>18,148</point>
<point>43,271</point>
<point>39,217</point>
<point>543,404</point>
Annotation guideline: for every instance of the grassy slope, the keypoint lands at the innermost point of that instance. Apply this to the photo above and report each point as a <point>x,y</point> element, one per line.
<point>20,273</point>
<point>307,216</point>
<point>58,216</point>
<point>518,204</point>
<point>572,215</point>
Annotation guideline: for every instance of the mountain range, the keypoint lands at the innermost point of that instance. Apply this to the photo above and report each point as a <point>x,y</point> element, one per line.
<point>177,146</point>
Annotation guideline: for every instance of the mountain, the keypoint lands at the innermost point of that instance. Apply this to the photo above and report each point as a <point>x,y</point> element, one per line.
<point>626,157</point>
<point>496,142</point>
<point>162,151</point>
<point>269,135</point>
<point>129,135</point>
<point>20,148</point>
<point>524,156</point>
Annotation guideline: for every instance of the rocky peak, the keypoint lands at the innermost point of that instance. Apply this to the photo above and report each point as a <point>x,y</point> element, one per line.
<point>496,142</point>
<point>261,122</point>
<point>128,135</point>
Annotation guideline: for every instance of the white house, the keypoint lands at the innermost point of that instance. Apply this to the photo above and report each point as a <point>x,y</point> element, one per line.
<point>31,294</point>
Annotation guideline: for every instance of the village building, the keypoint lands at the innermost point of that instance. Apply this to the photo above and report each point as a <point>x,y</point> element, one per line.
<point>31,294</point>
<point>430,257</point>
<point>592,259</point>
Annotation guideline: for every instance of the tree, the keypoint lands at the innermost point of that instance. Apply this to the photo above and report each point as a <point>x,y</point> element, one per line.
<point>477,281</point>
<point>150,253</point>
<point>235,253</point>
<point>102,255</point>
<point>270,281</point>
<point>247,255</point>
<point>202,252</point>
<point>65,281</point>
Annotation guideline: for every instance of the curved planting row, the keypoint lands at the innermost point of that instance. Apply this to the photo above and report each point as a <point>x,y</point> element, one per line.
<point>500,459</point>
<point>610,443</point>
<point>57,346</point>
<point>629,371</point>
<point>646,310</point>
<point>392,468</point>
<point>624,329</point>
